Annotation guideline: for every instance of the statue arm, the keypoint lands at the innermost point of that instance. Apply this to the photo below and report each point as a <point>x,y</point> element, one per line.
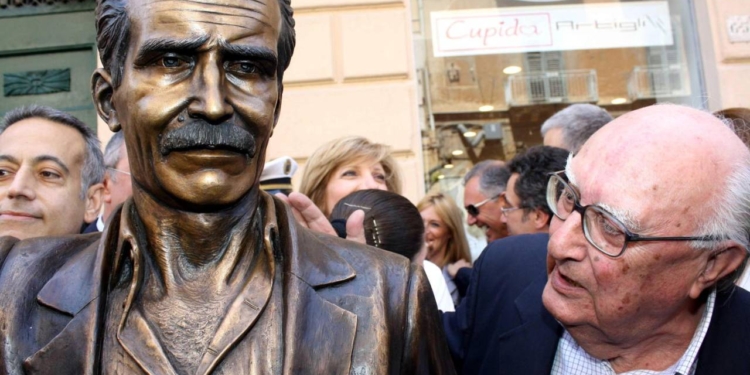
<point>426,351</point>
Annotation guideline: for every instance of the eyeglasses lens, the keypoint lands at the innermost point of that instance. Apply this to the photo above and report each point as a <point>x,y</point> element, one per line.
<point>600,228</point>
<point>604,231</point>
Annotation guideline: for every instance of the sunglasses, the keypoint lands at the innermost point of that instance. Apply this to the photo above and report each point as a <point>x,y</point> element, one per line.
<point>473,209</point>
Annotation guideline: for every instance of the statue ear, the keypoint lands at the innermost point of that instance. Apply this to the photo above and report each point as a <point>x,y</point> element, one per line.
<point>102,91</point>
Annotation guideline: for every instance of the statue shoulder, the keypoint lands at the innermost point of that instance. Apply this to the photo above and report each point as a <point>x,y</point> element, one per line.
<point>41,253</point>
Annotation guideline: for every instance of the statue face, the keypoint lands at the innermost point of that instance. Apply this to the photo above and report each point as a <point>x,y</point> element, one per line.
<point>199,98</point>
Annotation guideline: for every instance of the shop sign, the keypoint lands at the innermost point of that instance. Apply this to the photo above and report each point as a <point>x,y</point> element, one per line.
<point>551,28</point>
<point>739,29</point>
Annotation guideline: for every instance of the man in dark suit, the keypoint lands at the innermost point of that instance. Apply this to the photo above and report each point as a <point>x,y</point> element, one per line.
<point>200,272</point>
<point>639,267</point>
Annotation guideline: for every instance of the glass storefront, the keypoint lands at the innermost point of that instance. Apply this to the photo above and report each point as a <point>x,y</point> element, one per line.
<point>491,71</point>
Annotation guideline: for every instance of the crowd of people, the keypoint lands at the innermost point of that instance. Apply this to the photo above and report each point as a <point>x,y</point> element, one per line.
<point>619,246</point>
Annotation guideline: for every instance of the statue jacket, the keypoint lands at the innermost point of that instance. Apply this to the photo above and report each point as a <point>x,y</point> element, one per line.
<point>347,309</point>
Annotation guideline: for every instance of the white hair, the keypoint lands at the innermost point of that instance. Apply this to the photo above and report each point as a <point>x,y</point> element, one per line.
<point>731,217</point>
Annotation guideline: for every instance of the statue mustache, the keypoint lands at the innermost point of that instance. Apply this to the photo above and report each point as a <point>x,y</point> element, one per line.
<point>200,134</point>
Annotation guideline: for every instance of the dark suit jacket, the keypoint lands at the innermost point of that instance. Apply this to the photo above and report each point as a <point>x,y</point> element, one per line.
<point>90,227</point>
<point>502,327</point>
<point>349,308</point>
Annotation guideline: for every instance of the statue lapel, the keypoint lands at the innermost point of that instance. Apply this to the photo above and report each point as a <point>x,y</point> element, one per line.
<point>318,334</point>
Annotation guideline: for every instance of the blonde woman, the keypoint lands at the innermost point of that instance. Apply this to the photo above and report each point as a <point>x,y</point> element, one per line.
<point>444,235</point>
<point>345,165</point>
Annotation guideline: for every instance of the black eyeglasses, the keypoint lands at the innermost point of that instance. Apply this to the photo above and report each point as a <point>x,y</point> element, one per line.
<point>473,209</point>
<point>601,228</point>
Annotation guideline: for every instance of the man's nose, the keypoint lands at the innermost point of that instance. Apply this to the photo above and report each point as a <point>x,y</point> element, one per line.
<point>470,219</point>
<point>211,101</point>
<point>23,185</point>
<point>566,238</point>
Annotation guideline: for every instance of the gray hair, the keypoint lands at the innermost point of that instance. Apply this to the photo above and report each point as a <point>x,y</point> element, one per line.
<point>93,162</point>
<point>730,219</point>
<point>112,153</point>
<point>493,177</point>
<point>578,122</point>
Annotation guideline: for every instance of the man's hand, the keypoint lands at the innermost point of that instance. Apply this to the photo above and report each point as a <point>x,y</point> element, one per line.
<point>311,217</point>
<point>454,267</point>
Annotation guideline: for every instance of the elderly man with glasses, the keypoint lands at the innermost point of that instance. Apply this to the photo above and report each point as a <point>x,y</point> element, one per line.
<point>638,274</point>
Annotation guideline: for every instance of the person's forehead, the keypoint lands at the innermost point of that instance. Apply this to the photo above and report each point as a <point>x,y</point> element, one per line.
<point>170,18</point>
<point>36,136</point>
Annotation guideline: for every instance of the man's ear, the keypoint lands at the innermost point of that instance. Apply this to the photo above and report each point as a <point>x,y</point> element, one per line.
<point>93,202</point>
<point>719,264</point>
<point>541,219</point>
<point>106,189</point>
<point>102,91</point>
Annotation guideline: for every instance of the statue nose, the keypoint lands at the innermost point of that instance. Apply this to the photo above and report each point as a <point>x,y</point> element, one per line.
<point>210,101</point>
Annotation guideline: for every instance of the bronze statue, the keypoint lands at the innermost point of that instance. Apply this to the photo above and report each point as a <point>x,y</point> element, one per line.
<point>200,272</point>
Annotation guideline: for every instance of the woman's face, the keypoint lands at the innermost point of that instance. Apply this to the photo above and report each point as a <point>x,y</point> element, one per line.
<point>350,177</point>
<point>436,235</point>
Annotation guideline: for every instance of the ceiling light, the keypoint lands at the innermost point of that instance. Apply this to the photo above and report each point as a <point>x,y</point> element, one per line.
<point>512,69</point>
<point>486,108</point>
<point>457,152</point>
<point>440,177</point>
<point>448,166</point>
<point>619,101</point>
<point>470,134</point>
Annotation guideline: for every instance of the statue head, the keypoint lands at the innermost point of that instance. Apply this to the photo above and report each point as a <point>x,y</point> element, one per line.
<point>196,88</point>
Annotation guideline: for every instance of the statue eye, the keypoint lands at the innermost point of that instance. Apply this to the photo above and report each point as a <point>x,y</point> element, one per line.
<point>171,61</point>
<point>243,67</point>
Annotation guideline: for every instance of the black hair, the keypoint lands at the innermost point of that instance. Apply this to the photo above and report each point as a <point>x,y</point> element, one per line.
<point>391,222</point>
<point>534,168</point>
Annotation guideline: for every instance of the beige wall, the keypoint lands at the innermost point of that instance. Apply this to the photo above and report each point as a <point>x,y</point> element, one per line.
<point>727,64</point>
<point>352,74</point>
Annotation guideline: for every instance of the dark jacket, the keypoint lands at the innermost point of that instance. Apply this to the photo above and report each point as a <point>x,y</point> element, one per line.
<point>502,327</point>
<point>348,308</point>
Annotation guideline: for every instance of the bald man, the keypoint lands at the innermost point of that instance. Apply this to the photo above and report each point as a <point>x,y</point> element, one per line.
<point>650,231</point>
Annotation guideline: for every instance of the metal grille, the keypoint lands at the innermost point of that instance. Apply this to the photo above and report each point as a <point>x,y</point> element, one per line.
<point>568,86</point>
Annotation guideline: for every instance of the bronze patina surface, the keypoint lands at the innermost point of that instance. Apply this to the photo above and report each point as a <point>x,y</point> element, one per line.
<point>200,272</point>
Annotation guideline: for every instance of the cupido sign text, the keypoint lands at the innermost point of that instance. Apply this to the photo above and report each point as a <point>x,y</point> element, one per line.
<point>551,28</point>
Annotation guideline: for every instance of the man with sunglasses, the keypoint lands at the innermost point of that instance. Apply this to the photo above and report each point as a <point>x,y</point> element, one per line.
<point>643,253</point>
<point>483,185</point>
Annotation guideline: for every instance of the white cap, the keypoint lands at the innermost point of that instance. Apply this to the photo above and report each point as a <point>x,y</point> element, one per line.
<point>283,167</point>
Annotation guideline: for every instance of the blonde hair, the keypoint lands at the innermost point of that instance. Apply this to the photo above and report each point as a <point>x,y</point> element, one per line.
<point>332,155</point>
<point>448,211</point>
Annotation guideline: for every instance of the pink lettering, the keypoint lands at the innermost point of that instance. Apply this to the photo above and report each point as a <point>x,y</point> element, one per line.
<point>448,31</point>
